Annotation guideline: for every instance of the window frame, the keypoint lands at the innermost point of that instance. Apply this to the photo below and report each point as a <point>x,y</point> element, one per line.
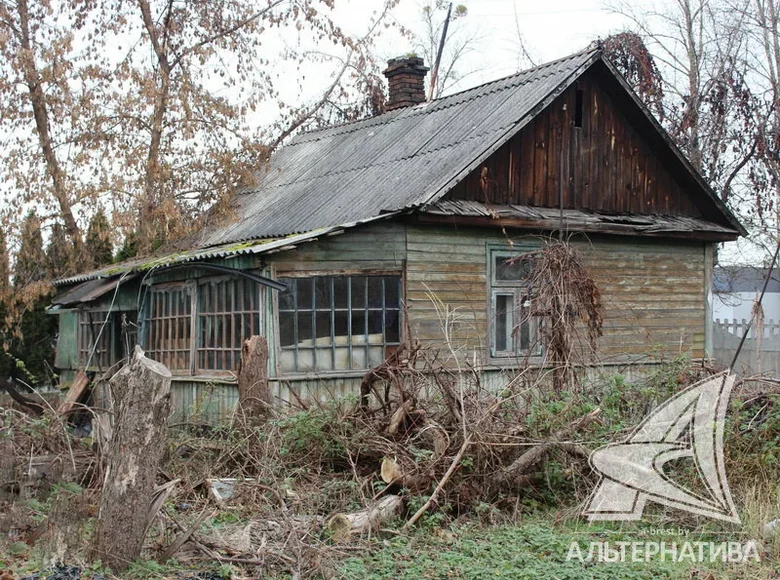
<point>112,332</point>
<point>193,287</point>
<point>522,294</point>
<point>199,318</point>
<point>95,317</point>
<point>298,372</point>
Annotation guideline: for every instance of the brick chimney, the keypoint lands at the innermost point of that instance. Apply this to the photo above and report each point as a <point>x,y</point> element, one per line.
<point>406,82</point>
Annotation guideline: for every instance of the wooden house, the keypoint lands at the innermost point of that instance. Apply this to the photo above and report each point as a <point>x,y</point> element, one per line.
<point>361,235</point>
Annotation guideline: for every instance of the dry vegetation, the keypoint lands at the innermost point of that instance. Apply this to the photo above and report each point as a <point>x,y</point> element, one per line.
<point>305,491</point>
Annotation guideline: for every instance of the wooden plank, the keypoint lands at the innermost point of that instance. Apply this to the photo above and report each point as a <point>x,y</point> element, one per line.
<point>77,388</point>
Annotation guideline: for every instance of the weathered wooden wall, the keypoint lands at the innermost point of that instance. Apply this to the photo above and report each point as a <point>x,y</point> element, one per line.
<point>654,295</point>
<point>446,288</point>
<point>380,246</point>
<point>653,291</point>
<point>604,165</point>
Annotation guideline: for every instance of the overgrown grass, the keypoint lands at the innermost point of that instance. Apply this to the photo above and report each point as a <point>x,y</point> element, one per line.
<point>535,548</point>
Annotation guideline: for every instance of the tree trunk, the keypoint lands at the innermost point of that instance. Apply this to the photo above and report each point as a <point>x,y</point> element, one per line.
<point>142,394</point>
<point>32,78</point>
<point>254,395</point>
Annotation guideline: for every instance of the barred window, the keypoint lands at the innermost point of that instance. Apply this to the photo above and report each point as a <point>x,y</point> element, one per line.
<point>200,326</point>
<point>95,340</point>
<point>169,326</point>
<point>228,314</point>
<point>103,338</point>
<point>338,322</point>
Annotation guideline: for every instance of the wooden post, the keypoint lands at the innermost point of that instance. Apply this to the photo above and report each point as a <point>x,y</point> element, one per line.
<point>254,394</point>
<point>141,391</point>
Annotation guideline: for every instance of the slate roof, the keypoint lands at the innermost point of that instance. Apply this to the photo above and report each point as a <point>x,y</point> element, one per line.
<point>394,161</point>
<point>326,181</point>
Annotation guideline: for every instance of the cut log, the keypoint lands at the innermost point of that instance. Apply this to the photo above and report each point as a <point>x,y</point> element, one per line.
<point>254,394</point>
<point>141,391</point>
<point>75,391</point>
<point>342,526</point>
<point>390,471</point>
<point>399,416</point>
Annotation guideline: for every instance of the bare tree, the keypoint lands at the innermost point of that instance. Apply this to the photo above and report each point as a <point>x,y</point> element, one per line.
<point>461,41</point>
<point>163,127</point>
<point>707,105</point>
<point>763,24</point>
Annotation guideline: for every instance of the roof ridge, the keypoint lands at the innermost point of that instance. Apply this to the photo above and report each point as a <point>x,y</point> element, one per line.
<point>390,116</point>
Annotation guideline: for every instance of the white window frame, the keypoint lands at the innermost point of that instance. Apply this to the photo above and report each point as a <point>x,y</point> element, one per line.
<point>521,294</point>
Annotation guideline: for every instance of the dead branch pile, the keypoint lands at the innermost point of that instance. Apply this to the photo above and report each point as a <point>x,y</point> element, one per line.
<point>566,300</point>
<point>36,452</point>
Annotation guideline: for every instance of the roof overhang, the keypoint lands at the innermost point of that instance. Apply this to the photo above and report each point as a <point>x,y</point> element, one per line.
<point>548,219</point>
<point>152,263</point>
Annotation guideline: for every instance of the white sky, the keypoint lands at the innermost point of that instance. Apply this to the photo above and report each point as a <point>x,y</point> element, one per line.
<point>549,29</point>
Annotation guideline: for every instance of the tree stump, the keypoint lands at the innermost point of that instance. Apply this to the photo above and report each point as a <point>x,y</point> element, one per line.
<point>254,394</point>
<point>141,391</point>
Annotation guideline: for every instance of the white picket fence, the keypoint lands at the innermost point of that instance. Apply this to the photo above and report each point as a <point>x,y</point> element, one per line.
<point>758,355</point>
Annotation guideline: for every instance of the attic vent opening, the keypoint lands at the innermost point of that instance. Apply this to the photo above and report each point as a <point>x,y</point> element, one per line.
<point>579,107</point>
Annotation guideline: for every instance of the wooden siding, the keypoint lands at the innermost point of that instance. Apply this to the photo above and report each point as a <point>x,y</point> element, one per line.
<point>604,166</point>
<point>653,292</point>
<point>446,285</point>
<point>66,355</point>
<point>378,246</point>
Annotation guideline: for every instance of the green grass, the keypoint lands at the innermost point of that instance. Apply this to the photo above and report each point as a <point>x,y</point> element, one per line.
<point>534,549</point>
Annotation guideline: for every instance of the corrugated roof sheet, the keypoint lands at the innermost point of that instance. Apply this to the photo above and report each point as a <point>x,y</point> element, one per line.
<point>259,246</point>
<point>86,292</point>
<point>397,160</point>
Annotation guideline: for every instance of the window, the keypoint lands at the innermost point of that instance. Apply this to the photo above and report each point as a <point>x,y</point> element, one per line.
<point>200,326</point>
<point>169,333</point>
<point>228,314</point>
<point>514,331</point>
<point>95,340</point>
<point>338,322</point>
<point>103,342</point>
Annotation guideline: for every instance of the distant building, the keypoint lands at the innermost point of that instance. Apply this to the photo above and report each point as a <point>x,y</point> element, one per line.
<point>736,288</point>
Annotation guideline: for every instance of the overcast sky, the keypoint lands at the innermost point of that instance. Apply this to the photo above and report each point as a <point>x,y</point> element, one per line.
<point>550,30</point>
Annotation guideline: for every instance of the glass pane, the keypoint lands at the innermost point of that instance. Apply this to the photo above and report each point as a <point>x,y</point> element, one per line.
<point>358,291</point>
<point>512,269</point>
<point>392,326</point>
<point>358,327</point>
<point>305,293</point>
<point>340,291</point>
<point>375,322</point>
<point>322,293</point>
<point>304,327</point>
<point>323,326</point>
<point>392,298</point>
<point>524,335</point>
<point>286,328</point>
<point>375,292</point>
<point>287,297</point>
<point>341,319</point>
<point>504,322</point>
